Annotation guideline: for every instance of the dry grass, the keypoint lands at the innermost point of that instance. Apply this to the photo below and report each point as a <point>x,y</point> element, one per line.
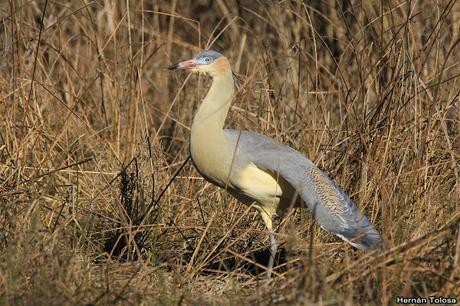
<point>98,207</point>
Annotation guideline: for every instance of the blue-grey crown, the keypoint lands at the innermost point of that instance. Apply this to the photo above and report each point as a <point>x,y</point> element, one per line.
<point>208,54</point>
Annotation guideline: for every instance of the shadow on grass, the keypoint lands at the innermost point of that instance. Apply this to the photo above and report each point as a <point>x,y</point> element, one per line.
<point>259,260</point>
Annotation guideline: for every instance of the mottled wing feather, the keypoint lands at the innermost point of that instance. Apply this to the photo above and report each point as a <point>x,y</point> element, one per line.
<point>330,206</point>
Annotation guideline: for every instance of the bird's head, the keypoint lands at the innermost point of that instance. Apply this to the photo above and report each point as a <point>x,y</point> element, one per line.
<point>210,62</point>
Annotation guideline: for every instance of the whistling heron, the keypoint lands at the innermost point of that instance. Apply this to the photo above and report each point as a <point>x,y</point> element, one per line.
<point>257,169</point>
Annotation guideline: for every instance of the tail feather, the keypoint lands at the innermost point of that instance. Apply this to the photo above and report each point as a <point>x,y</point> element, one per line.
<point>365,237</point>
<point>365,241</point>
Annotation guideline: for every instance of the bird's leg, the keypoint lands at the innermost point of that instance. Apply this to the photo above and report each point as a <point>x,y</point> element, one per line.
<point>267,217</point>
<point>273,249</point>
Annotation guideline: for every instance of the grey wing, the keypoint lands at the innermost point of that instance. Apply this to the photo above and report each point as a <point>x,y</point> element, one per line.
<point>330,206</point>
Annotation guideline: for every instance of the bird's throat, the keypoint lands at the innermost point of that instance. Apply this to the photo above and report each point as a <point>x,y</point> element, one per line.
<point>208,122</point>
<point>208,143</point>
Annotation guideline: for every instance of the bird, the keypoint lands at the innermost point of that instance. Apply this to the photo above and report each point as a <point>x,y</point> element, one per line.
<point>260,171</point>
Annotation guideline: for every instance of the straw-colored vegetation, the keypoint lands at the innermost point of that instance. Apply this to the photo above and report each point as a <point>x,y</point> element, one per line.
<point>99,203</point>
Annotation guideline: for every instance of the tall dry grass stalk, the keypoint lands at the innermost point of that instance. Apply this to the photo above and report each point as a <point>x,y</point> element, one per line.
<point>100,205</point>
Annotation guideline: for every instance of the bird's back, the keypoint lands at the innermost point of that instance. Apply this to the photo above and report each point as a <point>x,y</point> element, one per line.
<point>330,206</point>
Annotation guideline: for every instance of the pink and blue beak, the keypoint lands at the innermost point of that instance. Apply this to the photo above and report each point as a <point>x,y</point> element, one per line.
<point>193,63</point>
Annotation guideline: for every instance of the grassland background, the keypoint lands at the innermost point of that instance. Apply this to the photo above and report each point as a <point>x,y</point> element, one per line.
<point>94,131</point>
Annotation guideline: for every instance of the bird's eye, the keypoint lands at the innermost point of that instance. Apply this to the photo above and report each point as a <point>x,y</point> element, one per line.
<point>207,59</point>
